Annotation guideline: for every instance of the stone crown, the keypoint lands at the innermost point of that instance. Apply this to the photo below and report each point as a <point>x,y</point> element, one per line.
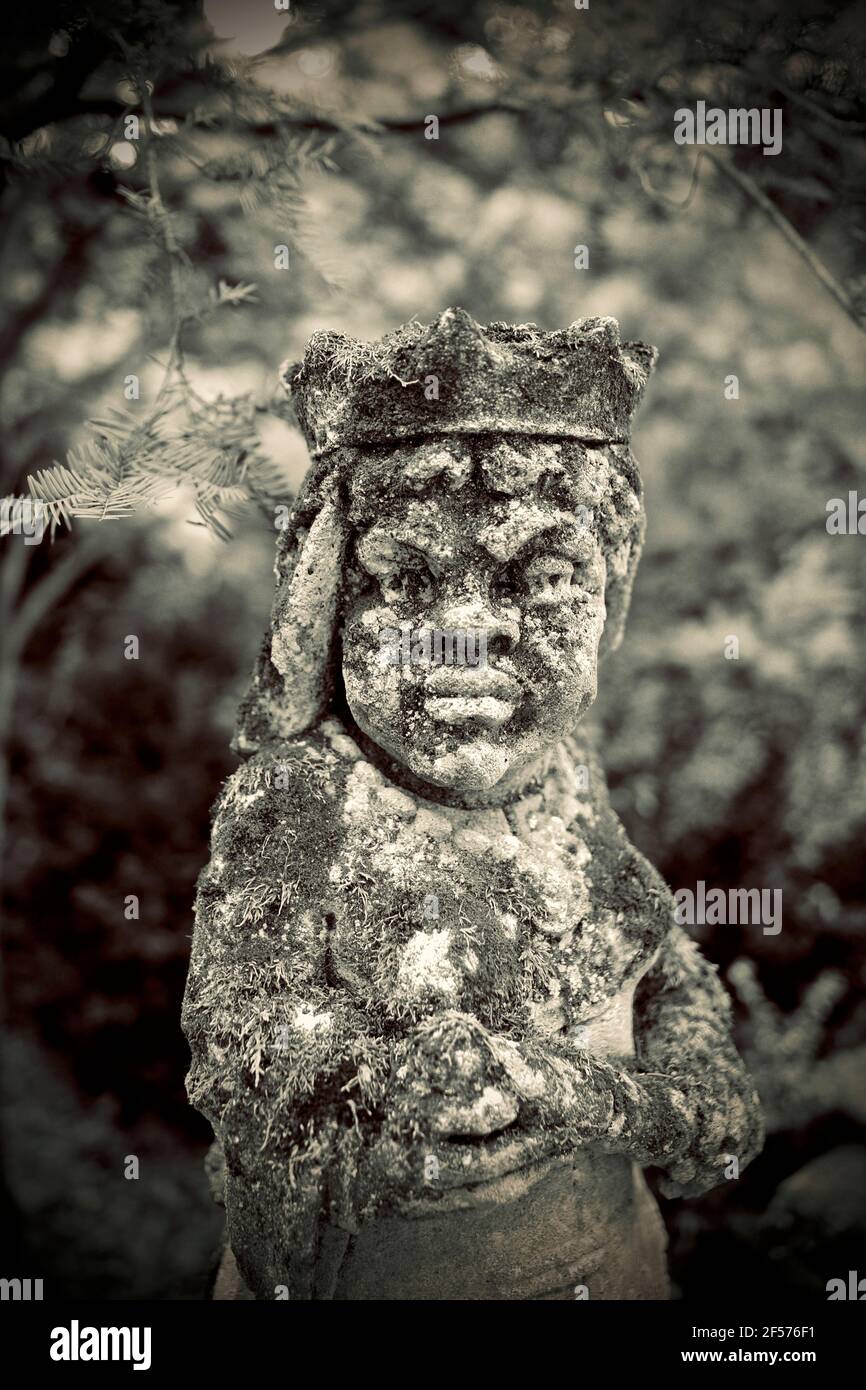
<point>455,377</point>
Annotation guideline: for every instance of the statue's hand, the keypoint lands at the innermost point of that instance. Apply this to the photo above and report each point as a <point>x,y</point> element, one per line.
<point>466,1081</point>
<point>569,1094</point>
<point>451,1080</point>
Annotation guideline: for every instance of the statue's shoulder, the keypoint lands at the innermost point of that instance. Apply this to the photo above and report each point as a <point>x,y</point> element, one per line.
<point>293,774</point>
<point>623,878</point>
<point>286,799</point>
<point>278,827</point>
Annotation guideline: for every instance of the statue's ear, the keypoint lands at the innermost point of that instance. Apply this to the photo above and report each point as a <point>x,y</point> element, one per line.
<point>304,611</point>
<point>293,680</point>
<point>621,569</point>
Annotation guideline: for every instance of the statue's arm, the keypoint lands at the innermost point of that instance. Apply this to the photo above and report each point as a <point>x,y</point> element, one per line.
<point>282,1061</point>
<point>688,1105</point>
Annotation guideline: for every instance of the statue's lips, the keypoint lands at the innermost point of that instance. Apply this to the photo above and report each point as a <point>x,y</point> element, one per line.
<point>467,682</point>
<point>473,709</point>
<point>471,696</point>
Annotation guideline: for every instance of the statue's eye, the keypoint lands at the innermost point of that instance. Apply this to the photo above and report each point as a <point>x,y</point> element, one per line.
<point>548,578</point>
<point>411,583</point>
<point>402,572</point>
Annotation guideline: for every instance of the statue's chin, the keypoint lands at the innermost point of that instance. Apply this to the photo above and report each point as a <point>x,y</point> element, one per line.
<point>478,764</point>
<point>474,766</point>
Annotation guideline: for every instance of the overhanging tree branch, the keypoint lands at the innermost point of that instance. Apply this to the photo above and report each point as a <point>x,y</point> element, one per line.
<point>780,222</point>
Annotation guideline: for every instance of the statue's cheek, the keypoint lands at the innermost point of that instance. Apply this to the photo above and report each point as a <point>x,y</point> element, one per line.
<point>376,688</point>
<point>587,621</point>
<point>568,631</point>
<point>370,643</point>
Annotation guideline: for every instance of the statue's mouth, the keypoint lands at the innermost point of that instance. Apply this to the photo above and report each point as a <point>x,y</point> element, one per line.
<point>484,710</point>
<point>484,696</point>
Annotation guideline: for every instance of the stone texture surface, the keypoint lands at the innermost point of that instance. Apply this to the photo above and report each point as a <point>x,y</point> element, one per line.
<point>453,377</point>
<point>438,1010</point>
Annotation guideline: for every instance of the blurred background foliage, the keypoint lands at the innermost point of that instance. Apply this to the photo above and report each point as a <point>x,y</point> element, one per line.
<point>156,257</point>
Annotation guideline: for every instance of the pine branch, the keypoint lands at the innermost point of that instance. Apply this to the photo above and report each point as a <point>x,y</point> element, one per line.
<point>125,463</point>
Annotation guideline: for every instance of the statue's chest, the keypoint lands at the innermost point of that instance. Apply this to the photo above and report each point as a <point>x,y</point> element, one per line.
<point>499,914</point>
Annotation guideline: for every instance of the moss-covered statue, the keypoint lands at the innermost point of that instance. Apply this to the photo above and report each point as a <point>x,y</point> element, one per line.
<point>439,1013</point>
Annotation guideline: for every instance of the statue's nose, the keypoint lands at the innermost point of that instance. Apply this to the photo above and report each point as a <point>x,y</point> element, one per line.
<point>468,608</point>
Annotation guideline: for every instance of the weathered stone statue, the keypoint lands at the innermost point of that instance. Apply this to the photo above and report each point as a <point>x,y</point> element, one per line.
<point>439,1013</point>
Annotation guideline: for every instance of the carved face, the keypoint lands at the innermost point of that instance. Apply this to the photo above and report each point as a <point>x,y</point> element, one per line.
<point>520,575</point>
